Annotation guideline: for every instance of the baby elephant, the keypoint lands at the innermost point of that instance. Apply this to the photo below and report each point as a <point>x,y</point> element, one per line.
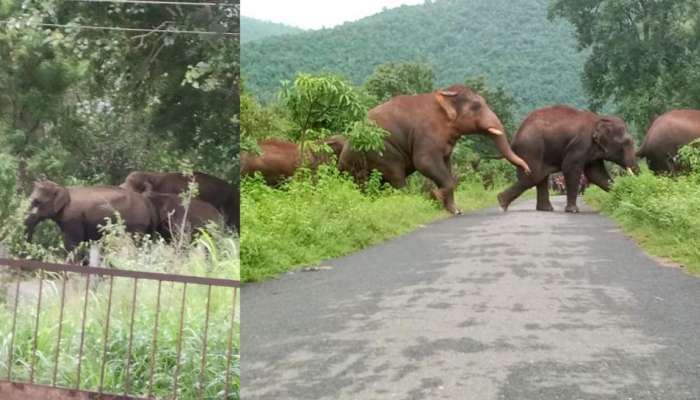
<point>79,211</point>
<point>172,214</point>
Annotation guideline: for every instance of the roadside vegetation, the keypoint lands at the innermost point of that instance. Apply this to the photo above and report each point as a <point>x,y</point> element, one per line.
<point>660,212</point>
<point>323,214</point>
<point>311,219</point>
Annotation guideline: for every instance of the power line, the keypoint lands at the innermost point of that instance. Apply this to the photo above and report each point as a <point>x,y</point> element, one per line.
<point>183,3</point>
<point>142,30</point>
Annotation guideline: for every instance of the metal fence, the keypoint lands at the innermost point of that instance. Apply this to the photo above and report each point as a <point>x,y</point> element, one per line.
<point>12,387</point>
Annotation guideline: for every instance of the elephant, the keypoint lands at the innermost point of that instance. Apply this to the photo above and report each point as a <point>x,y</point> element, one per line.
<point>171,214</point>
<point>562,138</point>
<point>220,194</point>
<point>423,130</point>
<point>667,134</point>
<point>279,159</point>
<point>79,211</point>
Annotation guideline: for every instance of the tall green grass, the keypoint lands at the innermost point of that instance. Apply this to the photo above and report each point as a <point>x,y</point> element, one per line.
<point>662,213</point>
<point>327,215</point>
<point>213,254</point>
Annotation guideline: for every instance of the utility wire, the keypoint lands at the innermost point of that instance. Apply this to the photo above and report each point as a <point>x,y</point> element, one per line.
<point>182,3</point>
<point>142,30</point>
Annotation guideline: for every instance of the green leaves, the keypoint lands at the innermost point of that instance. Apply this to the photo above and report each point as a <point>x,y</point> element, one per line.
<point>393,79</point>
<point>365,135</point>
<point>642,55</point>
<point>321,105</point>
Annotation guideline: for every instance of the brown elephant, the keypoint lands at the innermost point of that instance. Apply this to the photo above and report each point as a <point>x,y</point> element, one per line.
<point>667,134</point>
<point>172,214</point>
<point>423,130</point>
<point>79,211</point>
<point>562,138</point>
<point>220,194</point>
<point>279,159</point>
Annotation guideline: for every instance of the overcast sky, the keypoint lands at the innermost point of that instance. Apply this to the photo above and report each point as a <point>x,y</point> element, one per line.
<point>315,14</point>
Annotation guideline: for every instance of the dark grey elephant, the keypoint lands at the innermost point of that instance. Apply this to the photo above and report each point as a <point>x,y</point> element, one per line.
<point>667,134</point>
<point>172,214</point>
<point>80,211</point>
<point>576,142</point>
<point>217,192</point>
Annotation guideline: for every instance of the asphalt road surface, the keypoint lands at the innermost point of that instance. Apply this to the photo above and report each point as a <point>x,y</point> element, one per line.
<point>490,305</point>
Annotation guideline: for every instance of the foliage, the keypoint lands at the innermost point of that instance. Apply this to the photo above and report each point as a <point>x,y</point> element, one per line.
<point>689,157</point>
<point>312,219</point>
<point>642,55</point>
<point>511,41</point>
<point>96,104</point>
<point>660,211</point>
<point>393,79</point>
<point>213,255</point>
<point>322,104</point>
<point>365,135</point>
<point>255,29</point>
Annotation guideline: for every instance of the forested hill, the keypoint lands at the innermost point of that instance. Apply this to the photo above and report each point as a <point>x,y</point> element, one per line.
<point>510,42</point>
<point>255,29</point>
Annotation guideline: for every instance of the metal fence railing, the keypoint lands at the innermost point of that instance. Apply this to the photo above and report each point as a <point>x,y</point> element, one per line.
<point>30,373</point>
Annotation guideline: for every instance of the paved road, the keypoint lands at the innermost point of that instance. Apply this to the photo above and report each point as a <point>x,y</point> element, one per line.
<point>521,305</point>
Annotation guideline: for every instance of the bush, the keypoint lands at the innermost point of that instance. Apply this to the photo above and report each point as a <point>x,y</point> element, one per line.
<point>315,218</point>
<point>661,211</point>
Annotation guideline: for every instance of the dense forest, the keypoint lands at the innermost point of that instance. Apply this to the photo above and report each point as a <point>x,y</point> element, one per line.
<point>255,29</point>
<point>511,43</point>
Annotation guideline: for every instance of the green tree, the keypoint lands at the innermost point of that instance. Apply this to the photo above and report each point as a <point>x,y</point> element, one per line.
<point>393,79</point>
<point>642,55</point>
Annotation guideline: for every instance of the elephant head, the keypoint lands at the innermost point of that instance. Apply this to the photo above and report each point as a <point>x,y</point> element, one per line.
<point>336,143</point>
<point>613,142</point>
<point>47,200</point>
<point>468,112</point>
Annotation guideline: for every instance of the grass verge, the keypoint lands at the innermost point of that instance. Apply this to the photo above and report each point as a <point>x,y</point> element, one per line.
<point>661,213</point>
<point>309,221</point>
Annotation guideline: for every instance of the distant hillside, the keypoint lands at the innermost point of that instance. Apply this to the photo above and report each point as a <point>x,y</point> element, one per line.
<point>510,42</point>
<point>255,29</point>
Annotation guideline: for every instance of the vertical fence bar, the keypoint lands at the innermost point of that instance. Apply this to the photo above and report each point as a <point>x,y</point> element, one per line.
<point>229,354</point>
<point>154,344</point>
<point>82,329</point>
<point>14,327</point>
<point>179,339</point>
<point>131,337</point>
<point>35,338</point>
<point>106,336</point>
<point>204,350</point>
<point>60,329</point>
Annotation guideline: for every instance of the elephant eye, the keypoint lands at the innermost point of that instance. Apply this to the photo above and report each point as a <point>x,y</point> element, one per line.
<point>475,106</point>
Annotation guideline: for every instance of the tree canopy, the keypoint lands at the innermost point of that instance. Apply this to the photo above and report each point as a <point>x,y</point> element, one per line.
<point>93,104</point>
<point>643,56</point>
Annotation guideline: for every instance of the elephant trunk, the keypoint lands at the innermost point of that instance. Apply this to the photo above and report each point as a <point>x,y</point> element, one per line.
<point>501,141</point>
<point>30,223</point>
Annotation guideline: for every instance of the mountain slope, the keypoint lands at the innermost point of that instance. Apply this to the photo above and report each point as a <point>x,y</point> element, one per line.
<point>510,42</point>
<point>254,29</point>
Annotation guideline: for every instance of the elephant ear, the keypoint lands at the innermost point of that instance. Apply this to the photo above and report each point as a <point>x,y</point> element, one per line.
<point>61,200</point>
<point>601,133</point>
<point>446,104</point>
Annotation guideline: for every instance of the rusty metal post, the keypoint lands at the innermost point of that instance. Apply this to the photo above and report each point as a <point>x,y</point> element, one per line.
<point>229,353</point>
<point>36,328</point>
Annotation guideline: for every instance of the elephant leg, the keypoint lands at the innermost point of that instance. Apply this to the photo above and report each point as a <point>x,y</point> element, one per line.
<point>437,170</point>
<point>597,174</point>
<point>572,177</point>
<point>543,203</point>
<point>507,196</point>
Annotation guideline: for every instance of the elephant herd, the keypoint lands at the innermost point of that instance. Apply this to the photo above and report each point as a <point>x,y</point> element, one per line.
<point>147,203</point>
<point>423,130</point>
